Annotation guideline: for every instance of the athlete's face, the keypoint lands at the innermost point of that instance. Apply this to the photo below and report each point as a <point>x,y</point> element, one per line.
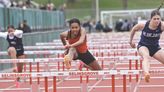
<point>10,30</point>
<point>156,20</point>
<point>75,28</point>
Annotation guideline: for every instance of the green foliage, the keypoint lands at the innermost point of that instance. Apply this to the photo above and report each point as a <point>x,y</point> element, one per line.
<point>105,4</point>
<point>85,8</point>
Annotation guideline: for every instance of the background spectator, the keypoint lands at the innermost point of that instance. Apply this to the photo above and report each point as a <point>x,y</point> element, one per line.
<point>24,27</point>
<point>119,24</point>
<point>99,26</point>
<point>107,28</point>
<point>0,29</point>
<point>87,25</point>
<point>5,3</point>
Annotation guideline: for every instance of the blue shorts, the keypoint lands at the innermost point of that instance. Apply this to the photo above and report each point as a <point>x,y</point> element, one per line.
<point>20,52</point>
<point>152,48</point>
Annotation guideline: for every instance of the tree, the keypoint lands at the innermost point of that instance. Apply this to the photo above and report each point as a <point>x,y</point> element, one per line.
<point>71,1</point>
<point>125,4</point>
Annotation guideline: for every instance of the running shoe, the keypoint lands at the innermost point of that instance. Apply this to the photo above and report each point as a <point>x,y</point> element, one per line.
<point>67,61</point>
<point>17,83</point>
<point>147,77</point>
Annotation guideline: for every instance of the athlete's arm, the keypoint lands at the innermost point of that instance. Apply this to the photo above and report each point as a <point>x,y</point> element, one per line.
<point>81,40</point>
<point>3,35</point>
<point>18,33</point>
<point>162,26</point>
<point>63,36</point>
<point>137,27</point>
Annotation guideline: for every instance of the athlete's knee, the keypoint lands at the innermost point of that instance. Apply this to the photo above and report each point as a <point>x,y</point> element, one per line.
<point>95,66</point>
<point>72,52</point>
<point>21,56</point>
<point>11,50</point>
<point>146,58</point>
<point>72,49</point>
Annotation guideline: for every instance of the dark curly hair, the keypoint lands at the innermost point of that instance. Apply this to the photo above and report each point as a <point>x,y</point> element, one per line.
<point>157,12</point>
<point>74,20</point>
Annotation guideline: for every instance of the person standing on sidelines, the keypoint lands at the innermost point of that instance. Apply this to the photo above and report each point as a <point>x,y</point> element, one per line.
<point>148,45</point>
<point>75,42</point>
<point>15,48</point>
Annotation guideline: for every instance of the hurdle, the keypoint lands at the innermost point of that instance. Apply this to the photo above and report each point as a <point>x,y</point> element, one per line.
<point>58,60</point>
<point>112,73</point>
<point>59,51</point>
<point>36,52</point>
<point>95,52</point>
<point>43,47</point>
<point>47,47</point>
<point>123,73</point>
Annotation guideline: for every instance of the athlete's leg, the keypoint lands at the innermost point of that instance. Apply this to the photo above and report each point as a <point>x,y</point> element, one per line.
<point>12,53</point>
<point>86,66</point>
<point>89,60</point>
<point>69,57</point>
<point>159,55</point>
<point>95,66</point>
<point>81,65</point>
<point>20,65</point>
<point>144,52</point>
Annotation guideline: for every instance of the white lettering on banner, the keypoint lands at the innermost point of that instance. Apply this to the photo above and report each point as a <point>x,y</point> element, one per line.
<point>106,73</point>
<point>111,72</point>
<point>55,59</point>
<point>83,73</point>
<point>14,75</point>
<point>129,72</point>
<point>157,71</point>
<point>41,60</point>
<point>59,74</point>
<point>39,75</point>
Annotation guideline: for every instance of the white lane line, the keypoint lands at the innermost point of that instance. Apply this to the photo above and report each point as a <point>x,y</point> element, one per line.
<point>149,86</point>
<point>93,86</point>
<point>138,83</point>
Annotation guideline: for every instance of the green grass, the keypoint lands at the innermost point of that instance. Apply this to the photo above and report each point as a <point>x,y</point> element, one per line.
<point>103,4</point>
<point>107,4</point>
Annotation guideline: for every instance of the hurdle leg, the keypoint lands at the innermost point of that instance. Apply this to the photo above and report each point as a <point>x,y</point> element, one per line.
<point>54,84</point>
<point>130,68</point>
<point>30,72</point>
<point>136,66</point>
<point>46,84</point>
<point>25,70</point>
<point>31,77</point>
<point>141,64</point>
<point>113,83</point>
<point>124,83</point>
<point>58,66</point>
<point>38,79</point>
<point>81,83</point>
<point>87,81</point>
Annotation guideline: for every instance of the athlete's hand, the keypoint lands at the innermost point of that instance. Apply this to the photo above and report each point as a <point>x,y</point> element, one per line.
<point>132,44</point>
<point>11,34</point>
<point>67,46</point>
<point>66,52</point>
